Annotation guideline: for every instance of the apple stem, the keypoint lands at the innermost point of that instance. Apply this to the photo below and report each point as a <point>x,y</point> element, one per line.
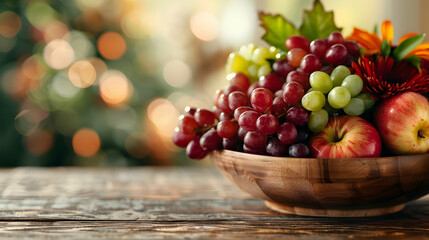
<point>419,133</point>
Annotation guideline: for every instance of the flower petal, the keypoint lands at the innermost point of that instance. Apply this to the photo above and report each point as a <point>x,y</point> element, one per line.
<point>387,31</point>
<point>369,41</point>
<point>406,36</point>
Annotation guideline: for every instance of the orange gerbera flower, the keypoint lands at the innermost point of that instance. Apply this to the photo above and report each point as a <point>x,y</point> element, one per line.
<point>372,42</point>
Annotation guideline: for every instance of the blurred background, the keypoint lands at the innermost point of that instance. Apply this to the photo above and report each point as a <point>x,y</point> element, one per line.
<point>102,82</point>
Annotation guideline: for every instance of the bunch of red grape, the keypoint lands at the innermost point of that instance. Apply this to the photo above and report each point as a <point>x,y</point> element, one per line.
<point>266,116</point>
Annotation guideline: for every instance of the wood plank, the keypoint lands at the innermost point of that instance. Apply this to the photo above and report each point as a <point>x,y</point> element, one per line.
<point>168,203</point>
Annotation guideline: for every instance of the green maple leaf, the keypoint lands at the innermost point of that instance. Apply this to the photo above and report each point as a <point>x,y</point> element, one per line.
<point>317,23</point>
<point>277,30</point>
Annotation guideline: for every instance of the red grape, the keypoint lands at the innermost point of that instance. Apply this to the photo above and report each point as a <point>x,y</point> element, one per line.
<point>335,38</point>
<point>194,150</point>
<point>272,82</point>
<point>216,97</point>
<point>252,87</point>
<point>225,116</point>
<point>292,93</point>
<point>287,133</point>
<point>181,139</point>
<point>318,47</point>
<point>336,55</point>
<point>298,116</point>
<point>261,99</point>
<point>282,67</point>
<point>227,128</point>
<point>187,124</point>
<point>310,63</point>
<point>299,150</point>
<point>242,133</point>
<point>237,99</point>
<point>210,140</point>
<point>231,143</point>
<point>190,110</point>
<point>204,117</point>
<point>352,48</point>
<point>294,56</point>
<point>247,120</point>
<point>303,134</point>
<point>255,140</point>
<point>223,103</point>
<point>238,79</point>
<point>232,88</point>
<point>298,41</point>
<point>299,77</point>
<point>241,110</point>
<point>276,148</point>
<point>279,106</point>
<point>267,124</point>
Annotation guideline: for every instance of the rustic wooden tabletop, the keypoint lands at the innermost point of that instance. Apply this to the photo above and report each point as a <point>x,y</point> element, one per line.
<point>168,203</point>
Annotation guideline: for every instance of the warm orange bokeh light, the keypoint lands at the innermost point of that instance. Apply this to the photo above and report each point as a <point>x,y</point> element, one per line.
<point>111,45</point>
<point>115,89</point>
<point>40,142</point>
<point>82,74</point>
<point>10,24</point>
<point>54,30</point>
<point>86,142</point>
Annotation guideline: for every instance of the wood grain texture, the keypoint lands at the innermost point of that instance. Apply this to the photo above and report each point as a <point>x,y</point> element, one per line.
<point>328,187</point>
<point>169,203</point>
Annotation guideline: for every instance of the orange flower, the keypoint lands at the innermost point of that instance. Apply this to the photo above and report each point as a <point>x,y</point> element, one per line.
<point>372,42</point>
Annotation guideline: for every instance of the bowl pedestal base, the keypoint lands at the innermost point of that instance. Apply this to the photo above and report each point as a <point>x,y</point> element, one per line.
<point>370,212</point>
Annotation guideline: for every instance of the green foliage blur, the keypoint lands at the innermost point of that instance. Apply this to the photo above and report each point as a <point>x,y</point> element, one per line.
<point>41,111</point>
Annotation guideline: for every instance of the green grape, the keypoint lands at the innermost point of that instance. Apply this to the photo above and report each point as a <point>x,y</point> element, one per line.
<point>321,81</point>
<point>338,75</point>
<point>339,97</point>
<point>246,51</point>
<point>355,107</point>
<point>253,70</point>
<point>313,101</point>
<point>236,63</point>
<point>318,120</point>
<point>264,70</point>
<point>260,55</point>
<point>310,90</point>
<point>353,83</point>
<point>273,52</point>
<point>367,100</point>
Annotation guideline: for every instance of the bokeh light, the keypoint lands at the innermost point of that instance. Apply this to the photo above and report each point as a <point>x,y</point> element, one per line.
<point>177,73</point>
<point>10,24</point>
<point>82,74</point>
<point>55,30</point>
<point>115,89</point>
<point>111,45</point>
<point>39,142</point>
<point>157,111</point>
<point>100,67</point>
<point>86,142</point>
<point>40,13</point>
<point>204,26</point>
<point>58,54</point>
<point>27,121</point>
<point>62,86</point>
<point>82,47</point>
<point>132,25</point>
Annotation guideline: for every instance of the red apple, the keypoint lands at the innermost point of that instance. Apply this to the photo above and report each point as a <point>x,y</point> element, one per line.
<point>346,137</point>
<point>403,123</point>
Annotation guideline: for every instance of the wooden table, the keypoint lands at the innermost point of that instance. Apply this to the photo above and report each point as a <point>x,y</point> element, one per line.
<point>168,203</point>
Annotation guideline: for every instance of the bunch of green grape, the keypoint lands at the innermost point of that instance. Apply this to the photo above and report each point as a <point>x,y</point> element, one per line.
<point>252,61</point>
<point>328,95</point>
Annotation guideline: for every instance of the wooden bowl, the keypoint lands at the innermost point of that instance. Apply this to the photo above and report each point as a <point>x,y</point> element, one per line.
<point>353,187</point>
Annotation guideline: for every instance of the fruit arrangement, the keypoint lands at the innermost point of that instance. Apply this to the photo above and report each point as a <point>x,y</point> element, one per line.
<point>315,93</point>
